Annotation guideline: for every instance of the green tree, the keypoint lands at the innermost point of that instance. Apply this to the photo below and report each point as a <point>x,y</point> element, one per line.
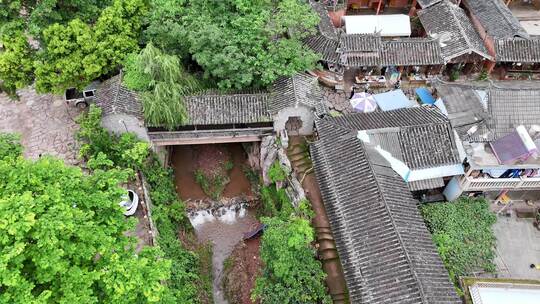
<point>163,83</point>
<point>291,274</point>
<point>463,234</point>
<point>16,61</point>
<point>38,15</point>
<point>164,27</point>
<point>77,53</point>
<point>62,237</point>
<point>244,43</point>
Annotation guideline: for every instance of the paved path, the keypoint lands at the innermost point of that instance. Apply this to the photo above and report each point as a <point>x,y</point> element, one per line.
<point>45,123</point>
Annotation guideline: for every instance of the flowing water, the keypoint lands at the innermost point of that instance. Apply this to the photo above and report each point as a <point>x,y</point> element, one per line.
<point>224,227</point>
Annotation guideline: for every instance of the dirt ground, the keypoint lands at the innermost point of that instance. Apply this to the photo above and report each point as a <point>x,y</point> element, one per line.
<point>187,159</point>
<point>244,265</point>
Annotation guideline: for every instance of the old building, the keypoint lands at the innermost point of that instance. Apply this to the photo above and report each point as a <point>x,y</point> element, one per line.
<point>498,127</point>
<point>385,249</point>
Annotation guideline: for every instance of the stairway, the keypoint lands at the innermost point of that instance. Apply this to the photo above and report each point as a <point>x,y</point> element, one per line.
<point>301,163</point>
<point>299,157</point>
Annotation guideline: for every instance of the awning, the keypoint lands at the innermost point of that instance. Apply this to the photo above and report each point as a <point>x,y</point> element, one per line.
<point>425,96</point>
<point>393,100</point>
<point>385,25</point>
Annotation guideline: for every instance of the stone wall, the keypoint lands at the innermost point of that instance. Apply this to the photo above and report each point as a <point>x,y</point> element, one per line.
<point>306,115</point>
<point>271,150</point>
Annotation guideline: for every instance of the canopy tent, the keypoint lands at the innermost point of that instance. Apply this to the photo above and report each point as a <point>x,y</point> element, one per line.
<point>425,96</point>
<point>385,25</point>
<point>393,100</point>
<point>363,102</point>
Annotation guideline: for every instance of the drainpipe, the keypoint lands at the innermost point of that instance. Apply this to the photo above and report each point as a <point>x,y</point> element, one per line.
<point>379,6</point>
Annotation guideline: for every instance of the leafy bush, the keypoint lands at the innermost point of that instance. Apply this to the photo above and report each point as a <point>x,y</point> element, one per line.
<point>291,273</point>
<point>98,146</point>
<point>276,173</point>
<point>9,145</point>
<point>463,234</point>
<point>63,237</point>
<point>105,151</point>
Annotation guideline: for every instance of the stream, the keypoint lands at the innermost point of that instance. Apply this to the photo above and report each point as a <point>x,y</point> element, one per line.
<point>225,228</point>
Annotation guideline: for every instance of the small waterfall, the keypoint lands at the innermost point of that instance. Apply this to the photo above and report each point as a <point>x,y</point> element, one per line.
<point>225,214</point>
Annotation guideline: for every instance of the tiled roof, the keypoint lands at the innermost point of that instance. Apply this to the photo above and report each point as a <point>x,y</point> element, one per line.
<point>510,108</point>
<point>300,89</point>
<point>214,109</point>
<point>455,31</point>
<point>420,137</point>
<point>326,27</point>
<point>327,48</point>
<point>427,3</point>
<point>114,98</point>
<point>370,50</point>
<point>411,51</point>
<point>518,50</point>
<point>496,18</point>
<point>359,50</point>
<point>385,249</point>
<point>416,116</point>
<point>464,108</point>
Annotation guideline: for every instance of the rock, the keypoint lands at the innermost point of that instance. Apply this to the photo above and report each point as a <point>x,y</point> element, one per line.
<point>269,151</point>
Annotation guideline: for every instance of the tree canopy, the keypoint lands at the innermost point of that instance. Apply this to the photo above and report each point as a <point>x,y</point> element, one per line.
<point>77,53</point>
<point>243,43</point>
<point>163,84</point>
<point>62,236</point>
<point>16,60</point>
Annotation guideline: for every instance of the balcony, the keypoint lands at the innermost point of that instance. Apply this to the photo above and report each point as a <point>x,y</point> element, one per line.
<point>468,183</point>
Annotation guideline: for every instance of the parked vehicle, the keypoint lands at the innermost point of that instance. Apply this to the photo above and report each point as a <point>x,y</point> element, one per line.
<point>80,99</point>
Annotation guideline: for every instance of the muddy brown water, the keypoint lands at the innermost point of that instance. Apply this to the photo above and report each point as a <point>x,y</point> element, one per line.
<point>184,160</point>
<point>223,232</point>
<point>224,237</point>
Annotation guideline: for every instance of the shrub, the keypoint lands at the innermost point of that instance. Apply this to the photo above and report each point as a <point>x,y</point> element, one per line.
<point>462,232</point>
<point>291,273</point>
<point>9,145</point>
<point>277,173</point>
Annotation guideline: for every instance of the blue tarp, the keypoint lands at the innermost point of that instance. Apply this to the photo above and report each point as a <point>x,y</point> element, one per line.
<point>425,96</point>
<point>393,100</point>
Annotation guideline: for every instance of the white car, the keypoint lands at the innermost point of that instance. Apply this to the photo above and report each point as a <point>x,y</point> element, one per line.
<point>130,202</point>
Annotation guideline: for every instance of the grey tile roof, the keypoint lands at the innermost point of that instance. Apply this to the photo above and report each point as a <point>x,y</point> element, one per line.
<point>455,31</point>
<point>325,42</point>
<point>114,98</point>
<point>420,137</point>
<point>464,108</point>
<point>326,27</point>
<point>426,184</point>
<point>518,50</point>
<point>300,89</point>
<point>509,104</point>
<point>496,18</point>
<point>411,51</point>
<point>359,50</point>
<point>385,249</point>
<point>326,47</point>
<point>416,116</point>
<point>215,109</point>
<point>427,3</point>
<point>509,108</point>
